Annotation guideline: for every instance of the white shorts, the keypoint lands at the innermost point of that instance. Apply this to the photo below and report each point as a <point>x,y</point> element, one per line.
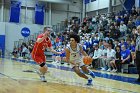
<point>77,61</point>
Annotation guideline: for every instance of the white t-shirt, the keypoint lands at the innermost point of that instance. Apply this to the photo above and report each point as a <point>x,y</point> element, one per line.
<point>97,54</point>
<point>111,53</point>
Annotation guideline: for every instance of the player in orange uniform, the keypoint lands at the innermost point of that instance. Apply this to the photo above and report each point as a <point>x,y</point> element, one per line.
<point>43,41</point>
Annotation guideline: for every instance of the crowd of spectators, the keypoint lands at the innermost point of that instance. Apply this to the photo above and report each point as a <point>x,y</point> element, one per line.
<point>108,38</point>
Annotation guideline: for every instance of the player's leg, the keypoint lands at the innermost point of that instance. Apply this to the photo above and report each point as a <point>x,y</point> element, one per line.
<point>42,70</point>
<point>87,71</point>
<point>79,73</point>
<point>41,60</point>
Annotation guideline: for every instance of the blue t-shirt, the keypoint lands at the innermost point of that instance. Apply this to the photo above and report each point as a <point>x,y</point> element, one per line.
<point>125,54</point>
<point>132,48</point>
<point>87,43</point>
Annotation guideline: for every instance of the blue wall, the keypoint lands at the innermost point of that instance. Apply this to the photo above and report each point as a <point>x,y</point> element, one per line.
<point>2,43</point>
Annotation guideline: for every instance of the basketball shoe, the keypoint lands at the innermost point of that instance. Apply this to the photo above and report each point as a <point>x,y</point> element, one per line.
<point>89,82</point>
<point>43,78</point>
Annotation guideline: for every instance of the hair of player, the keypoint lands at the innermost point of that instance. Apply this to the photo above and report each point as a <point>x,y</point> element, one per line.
<point>46,28</point>
<point>75,36</point>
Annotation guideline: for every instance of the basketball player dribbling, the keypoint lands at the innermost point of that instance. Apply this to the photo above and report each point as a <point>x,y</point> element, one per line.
<point>43,41</point>
<point>74,57</point>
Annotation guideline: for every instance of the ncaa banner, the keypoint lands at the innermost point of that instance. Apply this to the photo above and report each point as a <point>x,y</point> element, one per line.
<point>15,11</point>
<point>39,14</point>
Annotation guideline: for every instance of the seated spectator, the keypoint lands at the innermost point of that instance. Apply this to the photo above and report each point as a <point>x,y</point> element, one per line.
<point>115,64</point>
<point>137,22</point>
<point>14,53</point>
<point>132,48</point>
<point>133,34</point>
<point>123,28</point>
<point>123,42</point>
<point>130,26</point>
<point>116,43</point>
<point>104,56</point>
<point>125,55</point>
<point>91,52</point>
<point>110,56</point>
<point>133,11</point>
<point>128,43</point>
<point>101,44</point>
<point>96,57</point>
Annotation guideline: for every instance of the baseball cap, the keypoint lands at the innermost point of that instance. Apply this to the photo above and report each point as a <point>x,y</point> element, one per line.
<point>95,44</point>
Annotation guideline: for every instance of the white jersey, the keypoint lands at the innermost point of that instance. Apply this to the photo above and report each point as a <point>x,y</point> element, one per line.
<point>75,55</point>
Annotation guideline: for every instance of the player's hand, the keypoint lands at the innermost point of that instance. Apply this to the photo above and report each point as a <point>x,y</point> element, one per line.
<point>123,61</point>
<point>45,34</point>
<point>59,53</point>
<point>77,64</point>
<point>73,63</point>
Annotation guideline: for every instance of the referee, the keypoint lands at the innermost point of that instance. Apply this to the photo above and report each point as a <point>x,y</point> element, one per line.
<point>138,53</point>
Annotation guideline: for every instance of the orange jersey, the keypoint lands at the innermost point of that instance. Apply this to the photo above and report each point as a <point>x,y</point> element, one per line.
<point>39,48</point>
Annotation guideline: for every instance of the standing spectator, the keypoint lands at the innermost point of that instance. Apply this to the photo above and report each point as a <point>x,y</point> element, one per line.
<point>138,53</point>
<point>24,50</point>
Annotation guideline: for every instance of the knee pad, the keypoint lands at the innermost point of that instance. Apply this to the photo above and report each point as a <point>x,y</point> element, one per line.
<point>42,64</point>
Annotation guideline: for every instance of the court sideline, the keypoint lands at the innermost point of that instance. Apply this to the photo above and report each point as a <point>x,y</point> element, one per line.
<point>61,79</point>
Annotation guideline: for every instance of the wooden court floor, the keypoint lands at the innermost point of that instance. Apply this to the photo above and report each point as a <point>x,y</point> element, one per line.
<point>19,77</point>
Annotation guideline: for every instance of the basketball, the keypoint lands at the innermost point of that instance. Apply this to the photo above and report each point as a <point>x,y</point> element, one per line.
<point>87,60</point>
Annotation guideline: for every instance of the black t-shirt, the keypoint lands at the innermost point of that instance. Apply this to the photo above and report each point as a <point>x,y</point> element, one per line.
<point>118,55</point>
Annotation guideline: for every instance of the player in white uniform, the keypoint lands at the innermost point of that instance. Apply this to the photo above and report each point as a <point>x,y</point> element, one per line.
<point>74,53</point>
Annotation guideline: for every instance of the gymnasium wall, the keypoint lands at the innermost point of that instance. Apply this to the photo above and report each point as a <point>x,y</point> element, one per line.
<point>59,12</point>
<point>12,32</point>
<point>2,37</point>
<point>0,14</point>
<point>2,28</point>
<point>101,4</point>
<point>98,4</point>
<point>117,8</point>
